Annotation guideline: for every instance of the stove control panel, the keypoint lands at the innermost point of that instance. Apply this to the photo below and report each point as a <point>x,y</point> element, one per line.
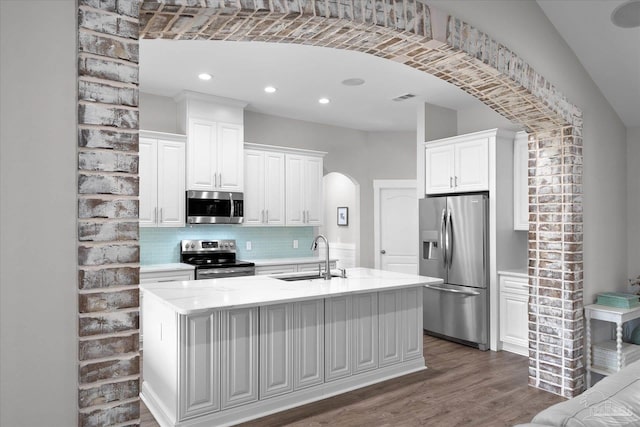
<point>227,245</point>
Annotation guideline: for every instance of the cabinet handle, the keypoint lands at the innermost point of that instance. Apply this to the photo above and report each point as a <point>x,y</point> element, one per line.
<point>155,214</point>
<point>161,219</point>
<point>450,182</point>
<point>215,179</point>
<point>262,216</point>
<point>220,180</point>
<point>456,181</point>
<point>267,211</point>
<point>303,220</point>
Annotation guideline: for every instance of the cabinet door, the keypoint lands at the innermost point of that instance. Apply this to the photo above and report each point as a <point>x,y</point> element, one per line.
<point>275,269</point>
<point>520,182</point>
<point>514,317</point>
<point>200,364</point>
<point>239,365</point>
<point>254,194</point>
<point>365,332</point>
<point>472,165</point>
<point>294,189</point>
<point>230,157</point>
<point>390,321</point>
<point>147,168</point>
<point>171,183</point>
<point>412,321</point>
<point>276,350</point>
<point>313,191</point>
<point>308,344</point>
<point>439,166</point>
<point>201,153</point>
<point>274,188</point>
<point>337,313</point>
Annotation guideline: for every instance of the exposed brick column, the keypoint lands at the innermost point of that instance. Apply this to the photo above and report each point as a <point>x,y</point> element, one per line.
<point>108,251</point>
<point>555,261</point>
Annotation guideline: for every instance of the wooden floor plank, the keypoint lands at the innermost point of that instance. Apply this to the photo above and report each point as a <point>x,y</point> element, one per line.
<point>461,387</point>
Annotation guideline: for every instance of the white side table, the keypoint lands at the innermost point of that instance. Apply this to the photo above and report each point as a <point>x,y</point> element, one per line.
<point>608,314</point>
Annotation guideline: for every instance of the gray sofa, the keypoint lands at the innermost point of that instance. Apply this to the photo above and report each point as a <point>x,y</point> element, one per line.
<point>613,401</point>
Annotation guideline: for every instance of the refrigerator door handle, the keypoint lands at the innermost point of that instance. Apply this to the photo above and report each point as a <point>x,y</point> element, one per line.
<point>438,288</point>
<point>449,238</point>
<point>443,232</point>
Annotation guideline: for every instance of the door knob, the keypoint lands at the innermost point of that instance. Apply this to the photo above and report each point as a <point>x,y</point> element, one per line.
<point>383,252</point>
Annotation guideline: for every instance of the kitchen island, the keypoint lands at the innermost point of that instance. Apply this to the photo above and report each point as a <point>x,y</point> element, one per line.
<point>224,351</point>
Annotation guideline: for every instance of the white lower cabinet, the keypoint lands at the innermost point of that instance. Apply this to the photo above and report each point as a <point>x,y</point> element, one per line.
<point>276,350</point>
<point>365,332</point>
<point>199,379</point>
<point>308,342</point>
<point>337,314</point>
<point>514,317</point>
<point>390,331</point>
<point>292,268</point>
<point>239,340</point>
<point>412,321</point>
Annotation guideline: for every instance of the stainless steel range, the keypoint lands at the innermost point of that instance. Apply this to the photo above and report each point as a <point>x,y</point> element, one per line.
<point>214,259</point>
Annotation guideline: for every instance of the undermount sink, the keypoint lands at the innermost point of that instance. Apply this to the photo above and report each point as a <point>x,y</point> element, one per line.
<point>298,277</point>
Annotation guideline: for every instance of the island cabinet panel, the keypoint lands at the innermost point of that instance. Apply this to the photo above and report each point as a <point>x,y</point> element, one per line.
<point>308,344</point>
<point>200,368</point>
<point>276,350</point>
<point>365,332</point>
<point>239,357</point>
<point>390,327</point>
<point>412,322</point>
<point>338,337</point>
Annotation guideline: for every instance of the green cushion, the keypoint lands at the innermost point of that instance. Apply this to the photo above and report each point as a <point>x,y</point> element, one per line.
<point>635,335</point>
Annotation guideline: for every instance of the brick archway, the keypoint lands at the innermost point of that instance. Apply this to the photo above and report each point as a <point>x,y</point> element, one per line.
<point>405,31</point>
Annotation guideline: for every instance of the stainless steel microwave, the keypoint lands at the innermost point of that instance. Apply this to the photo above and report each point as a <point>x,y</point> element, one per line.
<point>214,207</point>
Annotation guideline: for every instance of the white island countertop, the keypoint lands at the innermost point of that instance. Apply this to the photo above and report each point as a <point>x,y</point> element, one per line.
<point>193,296</point>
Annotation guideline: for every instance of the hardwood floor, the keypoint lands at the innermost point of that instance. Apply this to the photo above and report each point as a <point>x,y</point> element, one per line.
<point>461,387</point>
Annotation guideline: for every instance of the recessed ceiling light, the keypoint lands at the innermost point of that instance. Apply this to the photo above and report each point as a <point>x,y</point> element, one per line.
<point>323,100</point>
<point>353,82</point>
<point>270,89</point>
<point>204,76</point>
<point>627,15</point>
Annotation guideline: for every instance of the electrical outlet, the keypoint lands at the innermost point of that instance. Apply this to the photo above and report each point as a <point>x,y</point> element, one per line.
<point>248,245</point>
<point>295,244</point>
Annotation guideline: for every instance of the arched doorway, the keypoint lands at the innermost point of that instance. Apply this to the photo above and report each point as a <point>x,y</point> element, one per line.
<point>407,32</point>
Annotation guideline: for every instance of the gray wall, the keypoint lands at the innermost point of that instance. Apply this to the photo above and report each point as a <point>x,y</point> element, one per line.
<point>364,156</point>
<point>523,27</point>
<point>633,200</point>
<point>38,294</point>
<point>158,113</point>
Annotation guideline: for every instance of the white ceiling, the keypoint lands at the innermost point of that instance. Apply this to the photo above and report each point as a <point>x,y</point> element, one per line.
<point>302,74</point>
<point>611,55</point>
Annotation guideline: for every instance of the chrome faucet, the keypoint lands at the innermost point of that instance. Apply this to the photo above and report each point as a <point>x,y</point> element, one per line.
<point>314,246</point>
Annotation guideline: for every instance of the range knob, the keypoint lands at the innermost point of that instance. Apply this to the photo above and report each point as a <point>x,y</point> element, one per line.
<point>231,244</point>
<point>193,245</point>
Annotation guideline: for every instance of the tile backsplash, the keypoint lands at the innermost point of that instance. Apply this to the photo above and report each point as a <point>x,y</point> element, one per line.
<point>162,245</point>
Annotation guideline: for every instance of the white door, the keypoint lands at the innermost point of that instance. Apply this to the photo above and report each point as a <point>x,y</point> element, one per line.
<point>254,187</point>
<point>274,184</point>
<point>148,164</point>
<point>472,165</point>
<point>171,185</point>
<point>201,153</point>
<point>396,225</point>
<point>230,158</point>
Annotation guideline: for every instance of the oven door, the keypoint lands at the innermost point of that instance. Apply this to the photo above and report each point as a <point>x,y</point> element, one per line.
<point>214,207</point>
<point>221,272</point>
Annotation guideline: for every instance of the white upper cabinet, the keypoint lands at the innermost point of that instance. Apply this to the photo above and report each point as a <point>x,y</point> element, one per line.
<point>162,179</point>
<point>520,184</point>
<point>215,156</point>
<point>264,198</point>
<point>304,190</point>
<point>454,166</point>
<point>215,144</point>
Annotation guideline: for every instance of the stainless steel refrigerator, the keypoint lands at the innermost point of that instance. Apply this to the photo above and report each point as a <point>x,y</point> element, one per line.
<point>454,246</point>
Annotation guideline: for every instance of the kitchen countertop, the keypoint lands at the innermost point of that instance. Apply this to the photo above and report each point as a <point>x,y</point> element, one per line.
<point>521,272</point>
<point>188,297</point>
<point>173,266</point>
<point>283,261</point>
